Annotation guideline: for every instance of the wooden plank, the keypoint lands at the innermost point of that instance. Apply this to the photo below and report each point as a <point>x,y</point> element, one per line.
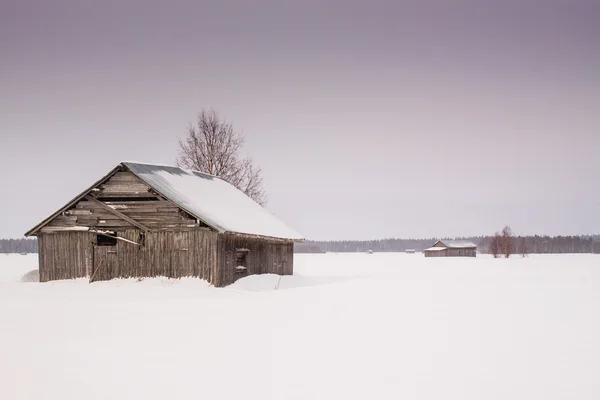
<point>87,208</point>
<point>125,180</point>
<point>139,210</point>
<point>102,213</point>
<point>182,227</point>
<point>63,220</point>
<point>163,216</point>
<point>42,258</point>
<point>142,203</point>
<point>124,175</point>
<point>103,222</point>
<point>117,213</point>
<point>137,195</point>
<point>51,229</point>
<point>129,188</point>
<point>75,211</point>
<point>167,209</point>
<point>128,203</point>
<point>51,251</point>
<point>146,209</point>
<point>142,218</point>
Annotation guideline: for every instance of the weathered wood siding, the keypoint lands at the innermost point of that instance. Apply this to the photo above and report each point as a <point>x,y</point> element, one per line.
<point>170,254</point>
<point>127,194</point>
<point>68,255</point>
<point>264,257</point>
<point>179,254</point>
<point>199,253</point>
<point>65,255</point>
<point>435,253</point>
<point>461,252</point>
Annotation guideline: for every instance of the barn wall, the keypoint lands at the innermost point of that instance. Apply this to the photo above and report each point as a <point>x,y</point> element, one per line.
<point>199,253</point>
<point>435,253</point>
<point>461,253</point>
<point>65,255</point>
<point>264,257</point>
<point>452,253</point>
<point>179,254</point>
<point>173,254</point>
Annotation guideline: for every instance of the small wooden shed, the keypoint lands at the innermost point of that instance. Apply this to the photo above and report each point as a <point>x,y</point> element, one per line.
<point>452,248</point>
<point>143,220</point>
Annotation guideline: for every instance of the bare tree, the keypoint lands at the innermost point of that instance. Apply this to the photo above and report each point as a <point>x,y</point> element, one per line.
<point>523,246</point>
<point>495,244</point>
<point>507,241</point>
<point>213,147</point>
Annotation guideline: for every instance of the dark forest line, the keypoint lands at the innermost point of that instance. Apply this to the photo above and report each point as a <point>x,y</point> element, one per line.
<point>530,244</point>
<point>18,246</point>
<point>522,244</point>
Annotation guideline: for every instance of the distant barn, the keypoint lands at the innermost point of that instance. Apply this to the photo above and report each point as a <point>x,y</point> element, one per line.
<point>451,248</point>
<point>144,220</point>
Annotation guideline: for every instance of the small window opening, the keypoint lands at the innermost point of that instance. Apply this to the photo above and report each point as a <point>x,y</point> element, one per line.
<point>240,259</point>
<point>103,240</point>
<point>142,240</point>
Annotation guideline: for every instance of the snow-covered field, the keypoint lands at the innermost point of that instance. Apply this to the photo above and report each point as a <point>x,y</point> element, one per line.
<point>380,326</point>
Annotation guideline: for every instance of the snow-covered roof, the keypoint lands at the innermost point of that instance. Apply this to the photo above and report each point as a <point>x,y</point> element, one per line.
<point>215,202</point>
<point>458,244</point>
<point>212,200</point>
<point>436,248</point>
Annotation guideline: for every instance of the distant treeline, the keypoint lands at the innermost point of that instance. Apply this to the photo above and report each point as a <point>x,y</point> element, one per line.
<point>18,246</point>
<point>527,244</point>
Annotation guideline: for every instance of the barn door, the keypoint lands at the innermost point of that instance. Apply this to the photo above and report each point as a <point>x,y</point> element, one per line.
<point>180,265</point>
<point>104,266</point>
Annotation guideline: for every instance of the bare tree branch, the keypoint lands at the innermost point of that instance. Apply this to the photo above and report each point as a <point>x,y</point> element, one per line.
<point>508,245</point>
<point>213,146</point>
<point>495,245</point>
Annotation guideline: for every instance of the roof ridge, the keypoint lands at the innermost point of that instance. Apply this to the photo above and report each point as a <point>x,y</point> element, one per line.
<point>172,166</point>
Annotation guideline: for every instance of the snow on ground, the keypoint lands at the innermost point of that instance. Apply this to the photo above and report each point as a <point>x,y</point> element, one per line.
<point>379,326</point>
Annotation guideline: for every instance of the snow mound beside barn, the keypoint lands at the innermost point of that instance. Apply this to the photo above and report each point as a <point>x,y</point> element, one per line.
<point>31,276</point>
<point>269,282</point>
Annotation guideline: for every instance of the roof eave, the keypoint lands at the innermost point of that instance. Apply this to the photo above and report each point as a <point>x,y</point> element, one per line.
<point>251,235</point>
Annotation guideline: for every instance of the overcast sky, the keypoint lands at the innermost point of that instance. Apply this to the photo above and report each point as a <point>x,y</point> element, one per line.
<point>370,119</point>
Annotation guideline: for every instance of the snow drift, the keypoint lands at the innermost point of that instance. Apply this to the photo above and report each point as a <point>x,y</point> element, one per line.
<point>381,326</point>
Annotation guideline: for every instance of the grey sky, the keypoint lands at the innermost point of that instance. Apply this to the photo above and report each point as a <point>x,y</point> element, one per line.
<point>370,119</point>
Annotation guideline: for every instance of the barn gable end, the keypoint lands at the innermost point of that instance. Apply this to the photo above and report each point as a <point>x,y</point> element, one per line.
<point>129,196</point>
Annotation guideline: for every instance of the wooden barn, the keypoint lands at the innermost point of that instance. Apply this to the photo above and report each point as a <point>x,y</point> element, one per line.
<point>452,248</point>
<point>144,220</point>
